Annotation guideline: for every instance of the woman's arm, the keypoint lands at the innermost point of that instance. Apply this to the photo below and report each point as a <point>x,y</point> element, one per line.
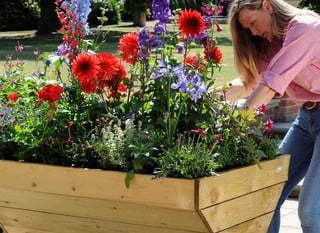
<point>261,95</point>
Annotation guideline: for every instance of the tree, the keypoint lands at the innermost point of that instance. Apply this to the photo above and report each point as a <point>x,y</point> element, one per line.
<point>49,21</point>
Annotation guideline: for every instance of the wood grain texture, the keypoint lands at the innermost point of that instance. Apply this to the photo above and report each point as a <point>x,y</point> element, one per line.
<point>36,198</point>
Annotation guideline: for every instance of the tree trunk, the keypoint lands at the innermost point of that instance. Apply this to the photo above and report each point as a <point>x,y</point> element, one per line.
<point>49,21</point>
<point>140,19</point>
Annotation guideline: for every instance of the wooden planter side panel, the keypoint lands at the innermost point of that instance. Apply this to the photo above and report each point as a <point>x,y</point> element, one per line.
<point>60,199</point>
<point>99,209</point>
<point>242,209</point>
<point>109,185</point>
<point>237,182</point>
<point>31,221</point>
<point>256,225</point>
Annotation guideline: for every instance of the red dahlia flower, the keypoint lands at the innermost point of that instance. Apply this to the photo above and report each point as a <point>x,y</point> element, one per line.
<point>108,65</point>
<point>117,85</point>
<point>88,85</point>
<point>86,66</point>
<point>191,23</point>
<point>129,47</point>
<point>50,93</point>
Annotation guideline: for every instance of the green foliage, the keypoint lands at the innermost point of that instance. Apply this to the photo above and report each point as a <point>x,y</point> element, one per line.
<point>130,7</point>
<point>185,4</point>
<point>241,138</point>
<point>19,15</point>
<point>105,12</point>
<point>190,159</point>
<point>310,4</point>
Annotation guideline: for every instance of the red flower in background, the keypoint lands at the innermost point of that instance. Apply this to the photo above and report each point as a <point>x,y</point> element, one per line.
<point>129,47</point>
<point>88,85</point>
<point>213,53</point>
<point>13,96</point>
<point>50,93</point>
<point>117,84</point>
<point>108,65</point>
<point>191,23</point>
<point>194,62</point>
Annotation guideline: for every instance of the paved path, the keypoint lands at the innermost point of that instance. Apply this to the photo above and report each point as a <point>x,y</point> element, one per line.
<point>289,217</point>
<point>290,222</point>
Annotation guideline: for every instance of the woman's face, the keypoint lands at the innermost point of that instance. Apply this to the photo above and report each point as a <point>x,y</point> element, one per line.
<point>258,21</point>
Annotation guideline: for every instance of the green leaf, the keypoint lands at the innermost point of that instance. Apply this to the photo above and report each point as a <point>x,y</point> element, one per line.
<point>129,178</point>
<point>136,163</point>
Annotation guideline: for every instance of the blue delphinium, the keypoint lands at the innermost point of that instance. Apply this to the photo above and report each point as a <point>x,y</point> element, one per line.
<point>161,10</point>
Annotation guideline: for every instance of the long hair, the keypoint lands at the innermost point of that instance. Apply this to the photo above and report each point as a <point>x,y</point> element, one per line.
<point>249,48</point>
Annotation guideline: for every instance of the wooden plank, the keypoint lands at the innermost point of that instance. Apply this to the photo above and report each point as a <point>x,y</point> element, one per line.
<point>243,208</point>
<point>67,224</point>
<point>213,190</point>
<point>175,193</point>
<point>10,229</point>
<point>256,225</point>
<point>108,210</point>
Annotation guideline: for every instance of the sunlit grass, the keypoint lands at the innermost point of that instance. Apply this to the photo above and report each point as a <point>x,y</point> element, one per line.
<point>113,33</point>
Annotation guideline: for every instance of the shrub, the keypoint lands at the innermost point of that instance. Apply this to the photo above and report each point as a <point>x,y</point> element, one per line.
<point>105,12</point>
<point>19,15</point>
<point>311,4</point>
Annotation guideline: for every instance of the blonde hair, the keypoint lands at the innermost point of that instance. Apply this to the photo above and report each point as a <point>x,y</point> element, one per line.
<point>248,48</point>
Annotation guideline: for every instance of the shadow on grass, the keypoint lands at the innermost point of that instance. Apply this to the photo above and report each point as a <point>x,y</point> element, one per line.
<point>49,43</point>
<point>225,41</point>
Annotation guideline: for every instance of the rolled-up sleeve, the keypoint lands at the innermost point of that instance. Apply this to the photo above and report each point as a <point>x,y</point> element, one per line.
<point>300,47</point>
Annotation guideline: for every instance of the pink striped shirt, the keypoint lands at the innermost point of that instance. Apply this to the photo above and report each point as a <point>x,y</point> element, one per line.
<point>295,68</point>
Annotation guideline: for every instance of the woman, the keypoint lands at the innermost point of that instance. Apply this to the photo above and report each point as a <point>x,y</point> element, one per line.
<point>277,52</point>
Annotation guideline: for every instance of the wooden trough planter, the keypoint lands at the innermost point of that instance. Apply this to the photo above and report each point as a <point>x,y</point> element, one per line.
<point>36,198</point>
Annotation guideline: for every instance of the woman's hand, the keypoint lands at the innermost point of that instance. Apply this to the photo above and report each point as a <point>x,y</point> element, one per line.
<point>236,90</point>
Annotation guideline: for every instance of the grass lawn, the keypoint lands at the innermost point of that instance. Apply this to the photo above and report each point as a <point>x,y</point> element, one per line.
<point>49,43</point>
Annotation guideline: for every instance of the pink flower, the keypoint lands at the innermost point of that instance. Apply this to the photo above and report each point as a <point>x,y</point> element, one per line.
<point>267,126</point>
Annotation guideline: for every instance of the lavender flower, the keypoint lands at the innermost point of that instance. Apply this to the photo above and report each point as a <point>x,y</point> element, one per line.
<point>180,47</point>
<point>6,116</point>
<point>63,49</point>
<point>181,85</point>
<point>190,83</point>
<point>162,71</point>
<point>198,88</point>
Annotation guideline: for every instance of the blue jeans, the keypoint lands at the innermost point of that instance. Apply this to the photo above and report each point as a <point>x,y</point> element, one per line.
<point>302,142</point>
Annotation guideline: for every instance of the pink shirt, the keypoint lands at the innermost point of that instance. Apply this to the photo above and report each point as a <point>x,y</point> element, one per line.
<point>295,68</point>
